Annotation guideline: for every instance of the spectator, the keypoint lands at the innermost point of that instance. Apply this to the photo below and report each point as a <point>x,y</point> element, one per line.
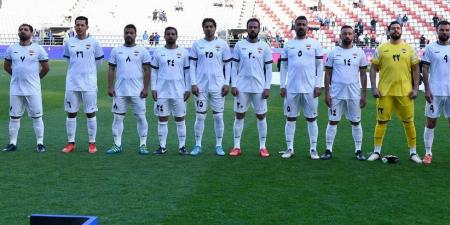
<point>405,20</point>
<point>435,20</point>
<point>373,41</point>
<point>366,40</point>
<point>373,25</point>
<point>355,3</point>
<point>360,27</point>
<point>422,41</point>
<point>319,5</point>
<point>155,15</point>
<point>399,19</point>
<point>145,37</point>
<point>157,38</point>
<point>151,40</point>
<point>71,33</point>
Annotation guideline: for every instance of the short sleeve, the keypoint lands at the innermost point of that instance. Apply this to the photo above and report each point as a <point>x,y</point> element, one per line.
<point>43,56</point>
<point>8,56</point>
<point>66,53</point>
<point>236,53</point>
<point>284,53</point>
<point>155,62</point>
<point>193,54</point>
<point>414,57</point>
<point>226,55</point>
<point>329,62</point>
<point>376,57</point>
<point>426,56</point>
<point>113,57</point>
<point>146,58</point>
<point>363,61</point>
<point>319,51</point>
<point>268,55</point>
<point>186,60</point>
<point>98,51</point>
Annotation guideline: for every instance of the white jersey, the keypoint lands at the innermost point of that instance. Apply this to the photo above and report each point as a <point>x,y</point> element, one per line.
<point>82,69</point>
<point>209,57</point>
<point>438,57</point>
<point>25,61</point>
<point>170,80</point>
<point>300,56</point>
<point>345,65</point>
<point>129,72</point>
<point>251,74</point>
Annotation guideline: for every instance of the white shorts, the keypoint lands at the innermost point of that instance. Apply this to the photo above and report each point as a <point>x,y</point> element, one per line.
<point>439,103</point>
<point>348,106</point>
<point>243,101</point>
<point>73,99</point>
<point>120,104</point>
<point>293,102</point>
<point>18,104</point>
<point>215,99</point>
<point>170,106</point>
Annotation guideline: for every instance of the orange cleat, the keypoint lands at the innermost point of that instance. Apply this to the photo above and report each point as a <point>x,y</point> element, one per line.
<point>70,147</point>
<point>264,153</point>
<point>427,159</point>
<point>235,152</point>
<point>92,148</point>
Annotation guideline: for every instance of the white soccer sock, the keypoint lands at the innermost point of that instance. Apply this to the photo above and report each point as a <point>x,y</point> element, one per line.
<point>412,150</point>
<point>92,128</point>
<point>330,134</point>
<point>428,136</point>
<point>199,127</point>
<point>313,131</point>
<point>377,149</point>
<point>117,129</point>
<point>289,130</point>
<point>38,126</point>
<point>142,128</point>
<point>357,133</point>
<point>238,127</point>
<point>181,131</point>
<point>162,133</point>
<point>71,128</point>
<point>14,126</point>
<point>218,127</point>
<point>262,131</point>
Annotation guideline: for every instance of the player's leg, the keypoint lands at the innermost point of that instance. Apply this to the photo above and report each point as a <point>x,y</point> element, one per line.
<point>119,108</point>
<point>139,109</point>
<point>353,114</point>
<point>384,114</point>
<point>260,108</point>
<point>16,109</point>
<point>310,105</point>
<point>34,108</point>
<point>90,107</point>
<point>217,105</point>
<point>291,110</point>
<point>201,106</point>
<point>404,106</point>
<point>334,116</point>
<point>432,111</point>
<point>162,110</point>
<point>179,112</point>
<point>241,103</point>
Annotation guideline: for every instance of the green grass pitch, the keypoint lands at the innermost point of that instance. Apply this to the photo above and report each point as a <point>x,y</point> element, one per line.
<point>129,189</point>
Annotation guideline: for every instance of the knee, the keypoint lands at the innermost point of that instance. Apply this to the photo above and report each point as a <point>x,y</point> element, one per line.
<point>163,118</point>
<point>261,116</point>
<point>380,122</point>
<point>72,115</point>
<point>90,115</point>
<point>15,117</point>
<point>292,119</point>
<point>311,119</point>
<point>333,123</point>
<point>179,119</point>
<point>240,116</point>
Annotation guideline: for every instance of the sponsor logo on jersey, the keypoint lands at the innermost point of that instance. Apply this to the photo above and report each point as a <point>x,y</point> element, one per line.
<point>120,53</point>
<point>355,55</point>
<point>437,52</point>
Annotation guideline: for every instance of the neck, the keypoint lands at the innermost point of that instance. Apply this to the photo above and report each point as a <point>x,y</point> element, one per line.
<point>130,44</point>
<point>442,42</point>
<point>252,40</point>
<point>25,43</point>
<point>300,37</point>
<point>394,42</point>
<point>81,37</point>
<point>347,46</point>
<point>171,46</point>
<point>209,38</point>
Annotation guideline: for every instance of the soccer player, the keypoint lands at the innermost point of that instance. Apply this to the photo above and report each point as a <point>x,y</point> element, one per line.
<point>22,62</point>
<point>84,54</point>
<point>300,82</point>
<point>209,82</point>
<point>436,78</point>
<point>345,66</point>
<point>170,88</point>
<point>126,65</point>
<point>398,65</point>
<point>251,79</point>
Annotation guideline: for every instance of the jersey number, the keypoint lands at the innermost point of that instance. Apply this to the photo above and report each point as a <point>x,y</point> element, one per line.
<point>209,54</point>
<point>159,108</point>
<point>199,104</point>
<point>300,53</point>
<point>446,59</point>
<point>80,53</point>
<point>347,62</point>
<point>250,55</point>
<point>170,62</point>
<point>396,57</point>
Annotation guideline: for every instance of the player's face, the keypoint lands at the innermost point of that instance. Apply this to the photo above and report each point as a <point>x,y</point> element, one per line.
<point>129,35</point>
<point>25,33</point>
<point>81,27</point>
<point>346,36</point>
<point>443,32</point>
<point>301,27</point>
<point>170,36</point>
<point>395,31</point>
<point>253,29</point>
<point>209,29</point>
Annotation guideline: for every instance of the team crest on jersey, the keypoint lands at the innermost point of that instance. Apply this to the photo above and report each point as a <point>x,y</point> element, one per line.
<point>136,52</point>
<point>260,50</point>
<point>88,46</point>
<point>403,50</point>
<point>355,55</point>
<point>308,46</point>
<point>31,52</point>
<point>217,48</point>
<point>178,55</point>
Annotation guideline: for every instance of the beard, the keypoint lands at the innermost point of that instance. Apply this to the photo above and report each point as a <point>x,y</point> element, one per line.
<point>443,38</point>
<point>396,36</point>
<point>347,41</point>
<point>301,32</point>
<point>129,40</point>
<point>170,41</point>
<point>252,35</point>
<point>23,37</point>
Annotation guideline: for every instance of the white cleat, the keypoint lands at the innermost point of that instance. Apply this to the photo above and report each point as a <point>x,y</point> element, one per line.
<point>374,156</point>
<point>415,158</point>
<point>288,154</point>
<point>313,154</point>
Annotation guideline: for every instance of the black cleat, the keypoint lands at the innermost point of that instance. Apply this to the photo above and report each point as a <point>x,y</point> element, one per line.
<point>327,155</point>
<point>160,151</point>
<point>40,148</point>
<point>359,156</point>
<point>9,148</point>
<point>183,151</point>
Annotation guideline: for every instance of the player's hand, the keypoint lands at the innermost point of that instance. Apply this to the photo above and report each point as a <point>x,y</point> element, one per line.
<point>265,94</point>
<point>328,100</point>
<point>144,93</point>
<point>376,93</point>
<point>317,92</point>
<point>362,102</point>
<point>194,89</point>
<point>186,95</point>
<point>111,92</point>
<point>225,90</point>
<point>234,91</point>
<point>413,94</point>
<point>428,96</point>
<point>155,95</point>
<point>283,92</point>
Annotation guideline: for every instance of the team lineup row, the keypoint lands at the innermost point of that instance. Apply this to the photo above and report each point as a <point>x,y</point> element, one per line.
<point>210,68</point>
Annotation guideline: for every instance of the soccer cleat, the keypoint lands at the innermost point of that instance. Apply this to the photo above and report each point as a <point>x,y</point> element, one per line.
<point>219,151</point>
<point>40,148</point>
<point>288,154</point>
<point>264,153</point>
<point>235,152</point>
<point>197,150</point>
<point>9,148</point>
<point>143,150</point>
<point>70,147</point>
<point>313,154</point>
<point>359,155</point>
<point>114,150</point>
<point>160,151</point>
<point>427,159</point>
<point>374,156</point>
<point>92,148</point>
<point>183,151</point>
<point>327,155</point>
<point>415,158</point>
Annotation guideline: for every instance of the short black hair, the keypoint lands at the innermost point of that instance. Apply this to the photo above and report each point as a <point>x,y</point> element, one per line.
<point>393,23</point>
<point>26,25</point>
<point>301,18</point>
<point>82,18</point>
<point>130,26</point>
<point>442,22</point>
<point>346,27</point>
<point>253,20</point>
<point>209,20</point>
<point>171,28</point>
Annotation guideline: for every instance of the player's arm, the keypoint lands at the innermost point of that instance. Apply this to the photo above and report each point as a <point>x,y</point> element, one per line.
<point>111,78</point>
<point>426,81</point>
<point>363,79</point>
<point>44,68</point>
<point>192,71</point>
<point>235,71</point>
<point>147,74</point>
<point>328,73</point>
<point>98,55</point>
<point>187,79</point>
<point>319,71</point>
<point>268,81</point>
<point>8,66</point>
<point>416,77</point>
<point>154,77</point>
<point>227,70</point>
<point>283,73</point>
<point>373,80</point>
